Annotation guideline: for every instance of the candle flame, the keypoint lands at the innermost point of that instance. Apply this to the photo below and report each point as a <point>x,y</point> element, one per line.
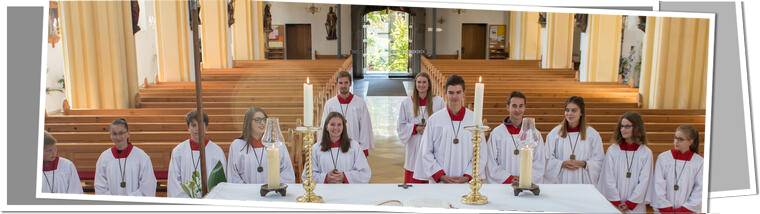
<point>480,78</point>
<point>307,80</point>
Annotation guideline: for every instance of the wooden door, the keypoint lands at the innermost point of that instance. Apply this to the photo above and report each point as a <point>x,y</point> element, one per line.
<point>298,41</point>
<point>473,41</point>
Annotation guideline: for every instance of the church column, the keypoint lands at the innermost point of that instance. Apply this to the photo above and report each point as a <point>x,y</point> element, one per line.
<point>215,43</point>
<point>674,63</point>
<point>600,48</point>
<point>174,45</point>
<point>248,30</point>
<point>524,36</point>
<point>99,54</point>
<point>559,41</point>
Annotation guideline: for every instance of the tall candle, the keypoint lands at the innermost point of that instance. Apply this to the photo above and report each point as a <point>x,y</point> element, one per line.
<point>526,166</point>
<point>273,165</point>
<point>479,88</point>
<point>308,103</point>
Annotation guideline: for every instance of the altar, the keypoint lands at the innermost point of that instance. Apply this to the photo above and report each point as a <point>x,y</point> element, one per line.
<point>564,198</point>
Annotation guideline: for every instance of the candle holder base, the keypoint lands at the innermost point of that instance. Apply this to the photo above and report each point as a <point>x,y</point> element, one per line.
<point>474,198</point>
<point>533,188</point>
<point>279,190</point>
<point>310,198</point>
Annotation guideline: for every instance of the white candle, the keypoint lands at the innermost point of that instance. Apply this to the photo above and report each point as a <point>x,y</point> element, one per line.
<point>526,166</point>
<point>479,88</point>
<point>273,163</point>
<point>308,103</point>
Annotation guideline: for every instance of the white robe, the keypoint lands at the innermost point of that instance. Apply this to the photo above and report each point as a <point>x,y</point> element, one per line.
<point>613,183</point>
<point>242,164</point>
<point>359,124</point>
<point>558,149</point>
<point>352,163</point>
<point>689,194</point>
<point>64,179</point>
<point>504,163</point>
<point>181,165</point>
<point>138,174</point>
<point>438,152</point>
<point>406,126</point>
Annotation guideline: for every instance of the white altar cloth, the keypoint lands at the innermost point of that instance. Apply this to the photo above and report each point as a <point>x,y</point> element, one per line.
<point>574,198</point>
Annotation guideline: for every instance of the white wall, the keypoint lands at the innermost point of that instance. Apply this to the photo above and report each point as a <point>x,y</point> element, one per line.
<point>55,67</point>
<point>145,44</point>
<point>296,13</point>
<point>449,41</point>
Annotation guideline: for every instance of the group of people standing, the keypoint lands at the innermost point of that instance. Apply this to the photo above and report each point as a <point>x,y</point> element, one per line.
<point>437,150</point>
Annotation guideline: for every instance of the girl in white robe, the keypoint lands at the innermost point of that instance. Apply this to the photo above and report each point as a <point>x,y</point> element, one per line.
<point>59,175</point>
<point>412,118</point>
<point>124,169</point>
<point>574,149</point>
<point>354,109</point>
<point>336,158</point>
<point>246,156</point>
<point>678,175</point>
<point>627,169</point>
<point>186,158</point>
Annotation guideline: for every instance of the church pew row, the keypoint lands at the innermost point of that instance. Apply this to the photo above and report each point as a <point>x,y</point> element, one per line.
<point>238,104</point>
<point>299,97</point>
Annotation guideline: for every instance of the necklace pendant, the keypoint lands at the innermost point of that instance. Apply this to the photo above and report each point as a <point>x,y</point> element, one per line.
<point>423,121</point>
<point>456,140</point>
<point>517,152</point>
<point>675,187</point>
<point>628,174</point>
<point>260,169</point>
<point>123,184</point>
<point>572,157</point>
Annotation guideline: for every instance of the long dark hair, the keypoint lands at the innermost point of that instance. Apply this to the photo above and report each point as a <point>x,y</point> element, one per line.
<point>639,133</point>
<point>247,133</point>
<point>345,142</point>
<point>577,100</point>
<point>416,95</point>
<point>693,134</point>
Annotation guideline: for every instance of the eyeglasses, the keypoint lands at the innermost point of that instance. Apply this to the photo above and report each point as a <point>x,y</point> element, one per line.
<point>626,126</point>
<point>260,120</point>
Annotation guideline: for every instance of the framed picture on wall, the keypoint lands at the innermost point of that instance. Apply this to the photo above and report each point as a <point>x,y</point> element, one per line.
<point>497,46</point>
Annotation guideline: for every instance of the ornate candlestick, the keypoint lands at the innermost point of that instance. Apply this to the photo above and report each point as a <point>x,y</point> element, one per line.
<point>474,197</point>
<point>308,183</point>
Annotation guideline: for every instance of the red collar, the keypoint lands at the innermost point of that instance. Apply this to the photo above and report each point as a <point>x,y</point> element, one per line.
<point>255,143</point>
<point>457,117</point>
<point>511,128</point>
<point>423,101</point>
<point>195,146</point>
<point>50,165</point>
<point>686,156</point>
<point>626,146</point>
<point>335,144</point>
<point>347,100</point>
<point>573,129</point>
<point>123,153</point>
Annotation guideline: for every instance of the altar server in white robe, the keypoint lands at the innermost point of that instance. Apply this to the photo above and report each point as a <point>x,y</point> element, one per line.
<point>503,146</point>
<point>573,148</point>
<point>627,169</point>
<point>59,175</point>
<point>337,159</point>
<point>678,175</point>
<point>354,109</point>
<point>445,154</point>
<point>413,115</point>
<point>124,169</point>
<point>186,157</point>
<point>248,158</point>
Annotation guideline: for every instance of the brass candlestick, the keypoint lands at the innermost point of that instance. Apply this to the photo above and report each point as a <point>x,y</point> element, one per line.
<point>308,183</point>
<point>474,197</point>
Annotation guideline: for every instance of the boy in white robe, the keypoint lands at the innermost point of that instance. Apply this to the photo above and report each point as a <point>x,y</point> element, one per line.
<point>354,109</point>
<point>124,169</point>
<point>445,154</point>
<point>627,169</point>
<point>336,159</point>
<point>59,175</point>
<point>247,154</point>
<point>186,157</point>
<point>678,175</point>
<point>573,148</point>
<point>503,146</point>
<point>412,118</point>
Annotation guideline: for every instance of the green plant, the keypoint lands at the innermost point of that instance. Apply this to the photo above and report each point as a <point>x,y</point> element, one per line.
<point>60,81</point>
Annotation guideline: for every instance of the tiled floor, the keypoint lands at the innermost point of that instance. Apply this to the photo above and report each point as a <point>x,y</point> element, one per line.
<point>387,158</point>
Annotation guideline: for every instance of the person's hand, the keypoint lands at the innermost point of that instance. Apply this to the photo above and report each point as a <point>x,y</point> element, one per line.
<point>579,163</point>
<point>569,164</point>
<point>419,128</point>
<point>447,179</point>
<point>334,177</point>
<point>515,179</point>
